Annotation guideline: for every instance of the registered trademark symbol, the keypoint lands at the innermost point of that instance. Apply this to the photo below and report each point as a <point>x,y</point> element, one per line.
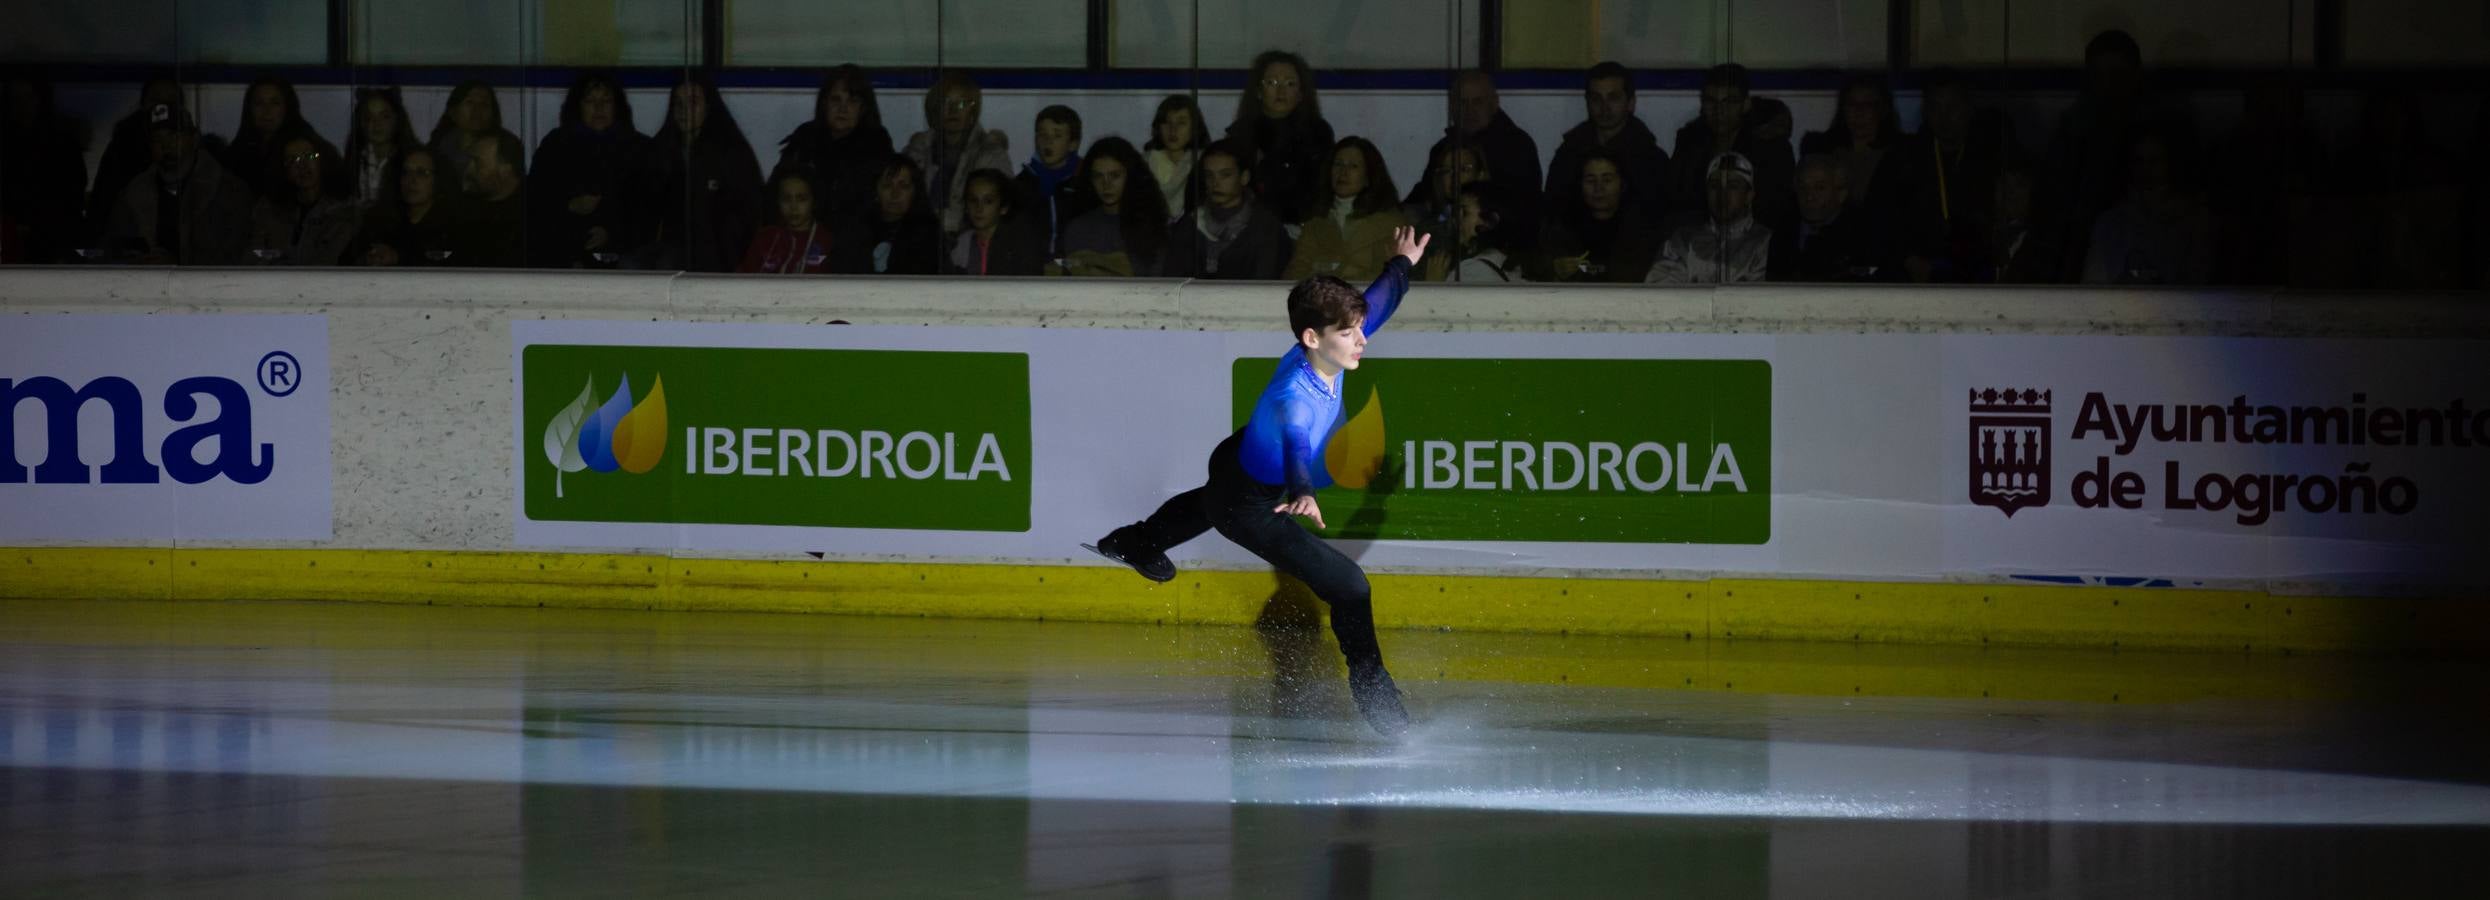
<point>279,373</point>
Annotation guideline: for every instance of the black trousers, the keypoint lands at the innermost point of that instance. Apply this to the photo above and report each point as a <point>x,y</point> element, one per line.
<point>1240,508</point>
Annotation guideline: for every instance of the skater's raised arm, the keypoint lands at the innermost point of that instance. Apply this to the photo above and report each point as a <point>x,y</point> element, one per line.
<point>1384,296</point>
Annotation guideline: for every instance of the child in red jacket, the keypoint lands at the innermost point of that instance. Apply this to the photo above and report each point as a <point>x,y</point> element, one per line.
<point>798,245</point>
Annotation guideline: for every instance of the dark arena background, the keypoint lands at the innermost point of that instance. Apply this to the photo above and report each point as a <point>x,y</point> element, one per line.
<point>1825,448</point>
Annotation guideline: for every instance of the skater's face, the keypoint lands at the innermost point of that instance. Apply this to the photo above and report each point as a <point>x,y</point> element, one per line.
<point>1337,347</point>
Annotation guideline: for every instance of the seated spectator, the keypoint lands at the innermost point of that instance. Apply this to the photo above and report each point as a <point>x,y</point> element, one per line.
<point>842,146</point>
<point>1734,121</point>
<point>900,235</point>
<point>997,240</point>
<point>1354,240</point>
<point>42,173</point>
<point>1177,136</point>
<point>2017,251</point>
<point>130,152</point>
<point>472,115</point>
<point>592,202</point>
<point>2160,231</point>
<point>381,132</point>
<point>1863,129</point>
<point>1052,191</point>
<point>415,225</point>
<point>1933,190</point>
<point>1610,127</point>
<point>1832,241</point>
<point>1124,235</point>
<point>1475,250</point>
<point>1454,167</point>
<point>494,230</point>
<point>270,111</point>
<point>1479,122</point>
<point>1731,247</point>
<point>1280,119</point>
<point>1229,236</point>
<point>2085,168</point>
<point>2264,191</point>
<point>795,241</point>
<point>1603,238</point>
<point>187,209</point>
<point>2400,220</point>
<point>2477,202</point>
<point>306,222</point>
<point>951,146</point>
<point>710,183</point>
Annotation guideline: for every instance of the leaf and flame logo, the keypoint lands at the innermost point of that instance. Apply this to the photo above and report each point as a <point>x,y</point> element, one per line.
<point>616,435</point>
<point>1356,454</point>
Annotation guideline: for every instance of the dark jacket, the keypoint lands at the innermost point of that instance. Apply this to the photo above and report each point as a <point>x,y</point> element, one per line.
<point>1072,198</point>
<point>1512,164</point>
<point>709,202</point>
<point>417,243</point>
<point>1933,215</point>
<point>841,170</point>
<point>1258,254</point>
<point>1625,245</point>
<point>866,245</point>
<point>617,165</point>
<point>494,231</point>
<point>212,216</point>
<point>1842,251</point>
<point>1639,158</point>
<point>251,157</point>
<point>42,171</point>
<point>1291,164</point>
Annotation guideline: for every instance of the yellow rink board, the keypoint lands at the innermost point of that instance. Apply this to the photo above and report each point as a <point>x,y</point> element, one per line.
<point>1717,609</point>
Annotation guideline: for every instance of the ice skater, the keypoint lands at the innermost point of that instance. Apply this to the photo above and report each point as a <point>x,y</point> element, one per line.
<point>1269,470</point>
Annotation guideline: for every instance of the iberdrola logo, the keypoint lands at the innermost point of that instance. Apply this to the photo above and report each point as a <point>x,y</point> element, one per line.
<point>617,435</point>
<point>1356,453</point>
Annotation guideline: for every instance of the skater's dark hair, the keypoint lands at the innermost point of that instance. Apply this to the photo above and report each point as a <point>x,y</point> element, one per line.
<point>1324,302</point>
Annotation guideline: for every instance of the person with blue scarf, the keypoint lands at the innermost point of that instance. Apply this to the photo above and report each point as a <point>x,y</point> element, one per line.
<point>1050,186</point>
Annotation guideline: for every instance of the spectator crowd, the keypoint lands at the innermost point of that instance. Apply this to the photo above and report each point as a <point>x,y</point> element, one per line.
<point>2124,190</point>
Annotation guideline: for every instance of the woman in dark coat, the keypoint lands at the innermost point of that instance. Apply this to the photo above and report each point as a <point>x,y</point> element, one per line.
<point>712,182</point>
<point>843,147</point>
<point>270,111</point>
<point>1281,119</point>
<point>900,234</point>
<point>590,191</point>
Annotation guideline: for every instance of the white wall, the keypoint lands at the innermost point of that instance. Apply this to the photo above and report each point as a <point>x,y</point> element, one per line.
<point>422,374</point>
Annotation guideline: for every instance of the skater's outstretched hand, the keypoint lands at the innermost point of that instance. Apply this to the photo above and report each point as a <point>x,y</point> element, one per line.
<point>1303,506</point>
<point>1411,245</point>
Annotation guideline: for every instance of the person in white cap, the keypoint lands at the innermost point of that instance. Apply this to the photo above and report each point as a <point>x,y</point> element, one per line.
<point>1730,246</point>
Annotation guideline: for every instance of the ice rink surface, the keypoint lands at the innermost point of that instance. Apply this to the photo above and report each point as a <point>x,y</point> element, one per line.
<point>285,749</point>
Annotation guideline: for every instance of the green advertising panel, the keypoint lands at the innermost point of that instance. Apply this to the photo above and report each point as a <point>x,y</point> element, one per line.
<point>1607,450</point>
<point>837,438</point>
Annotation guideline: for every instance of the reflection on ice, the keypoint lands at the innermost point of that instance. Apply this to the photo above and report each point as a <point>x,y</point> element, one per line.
<point>1075,747</point>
